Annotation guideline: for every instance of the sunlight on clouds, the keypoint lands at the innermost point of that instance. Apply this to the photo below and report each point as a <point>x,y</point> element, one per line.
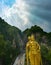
<point>25,13</point>
<point>19,7</point>
<point>7,12</point>
<point>22,11</point>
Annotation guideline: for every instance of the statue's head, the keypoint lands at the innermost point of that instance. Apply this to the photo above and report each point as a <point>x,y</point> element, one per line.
<point>29,37</point>
<point>32,37</point>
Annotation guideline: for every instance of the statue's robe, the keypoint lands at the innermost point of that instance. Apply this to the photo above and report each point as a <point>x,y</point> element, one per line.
<point>34,55</point>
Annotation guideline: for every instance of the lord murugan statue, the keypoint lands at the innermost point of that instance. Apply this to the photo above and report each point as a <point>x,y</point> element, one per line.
<point>33,54</point>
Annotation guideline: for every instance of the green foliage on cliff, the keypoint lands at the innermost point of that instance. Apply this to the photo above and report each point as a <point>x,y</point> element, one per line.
<point>46,55</point>
<point>10,42</point>
<point>40,35</point>
<point>44,40</point>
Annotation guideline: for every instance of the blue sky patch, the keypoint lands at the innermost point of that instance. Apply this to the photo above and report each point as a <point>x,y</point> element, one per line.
<point>8,2</point>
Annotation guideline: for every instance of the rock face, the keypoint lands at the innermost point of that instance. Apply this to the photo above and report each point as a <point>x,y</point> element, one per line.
<point>11,40</point>
<point>20,60</point>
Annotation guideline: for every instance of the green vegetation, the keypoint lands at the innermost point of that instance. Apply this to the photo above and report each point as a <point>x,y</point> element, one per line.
<point>40,35</point>
<point>10,42</point>
<point>44,40</point>
<point>46,55</point>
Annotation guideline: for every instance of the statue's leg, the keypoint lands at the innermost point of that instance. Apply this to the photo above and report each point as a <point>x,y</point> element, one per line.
<point>38,59</point>
<point>34,59</point>
<point>31,58</point>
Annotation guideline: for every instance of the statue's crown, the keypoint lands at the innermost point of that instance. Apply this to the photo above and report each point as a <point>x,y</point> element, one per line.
<point>31,37</point>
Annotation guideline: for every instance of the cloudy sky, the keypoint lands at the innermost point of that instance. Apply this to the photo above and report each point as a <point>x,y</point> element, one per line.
<point>26,13</point>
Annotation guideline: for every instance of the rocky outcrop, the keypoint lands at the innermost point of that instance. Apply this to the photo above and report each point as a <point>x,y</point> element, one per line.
<point>20,60</point>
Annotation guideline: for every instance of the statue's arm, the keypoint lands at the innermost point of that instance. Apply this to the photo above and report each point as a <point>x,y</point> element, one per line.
<point>38,47</point>
<point>39,50</point>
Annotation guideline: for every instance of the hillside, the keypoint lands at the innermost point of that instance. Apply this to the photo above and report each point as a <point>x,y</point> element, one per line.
<point>40,35</point>
<point>44,40</point>
<point>11,43</point>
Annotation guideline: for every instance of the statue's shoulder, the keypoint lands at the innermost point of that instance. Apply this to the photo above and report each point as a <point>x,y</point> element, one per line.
<point>36,43</point>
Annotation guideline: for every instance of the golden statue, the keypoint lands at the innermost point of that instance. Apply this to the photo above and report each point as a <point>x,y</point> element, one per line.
<point>33,54</point>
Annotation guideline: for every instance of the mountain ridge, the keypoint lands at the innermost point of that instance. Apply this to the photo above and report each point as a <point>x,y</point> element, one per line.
<point>13,42</point>
<point>11,39</point>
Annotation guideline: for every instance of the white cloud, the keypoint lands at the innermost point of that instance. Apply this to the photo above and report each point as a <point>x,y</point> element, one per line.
<point>20,14</point>
<point>16,15</point>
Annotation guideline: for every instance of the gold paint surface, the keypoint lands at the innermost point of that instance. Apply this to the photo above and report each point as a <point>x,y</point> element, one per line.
<point>33,54</point>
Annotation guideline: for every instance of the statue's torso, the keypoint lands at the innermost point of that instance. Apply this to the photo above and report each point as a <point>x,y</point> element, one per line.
<point>33,51</point>
<point>32,47</point>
